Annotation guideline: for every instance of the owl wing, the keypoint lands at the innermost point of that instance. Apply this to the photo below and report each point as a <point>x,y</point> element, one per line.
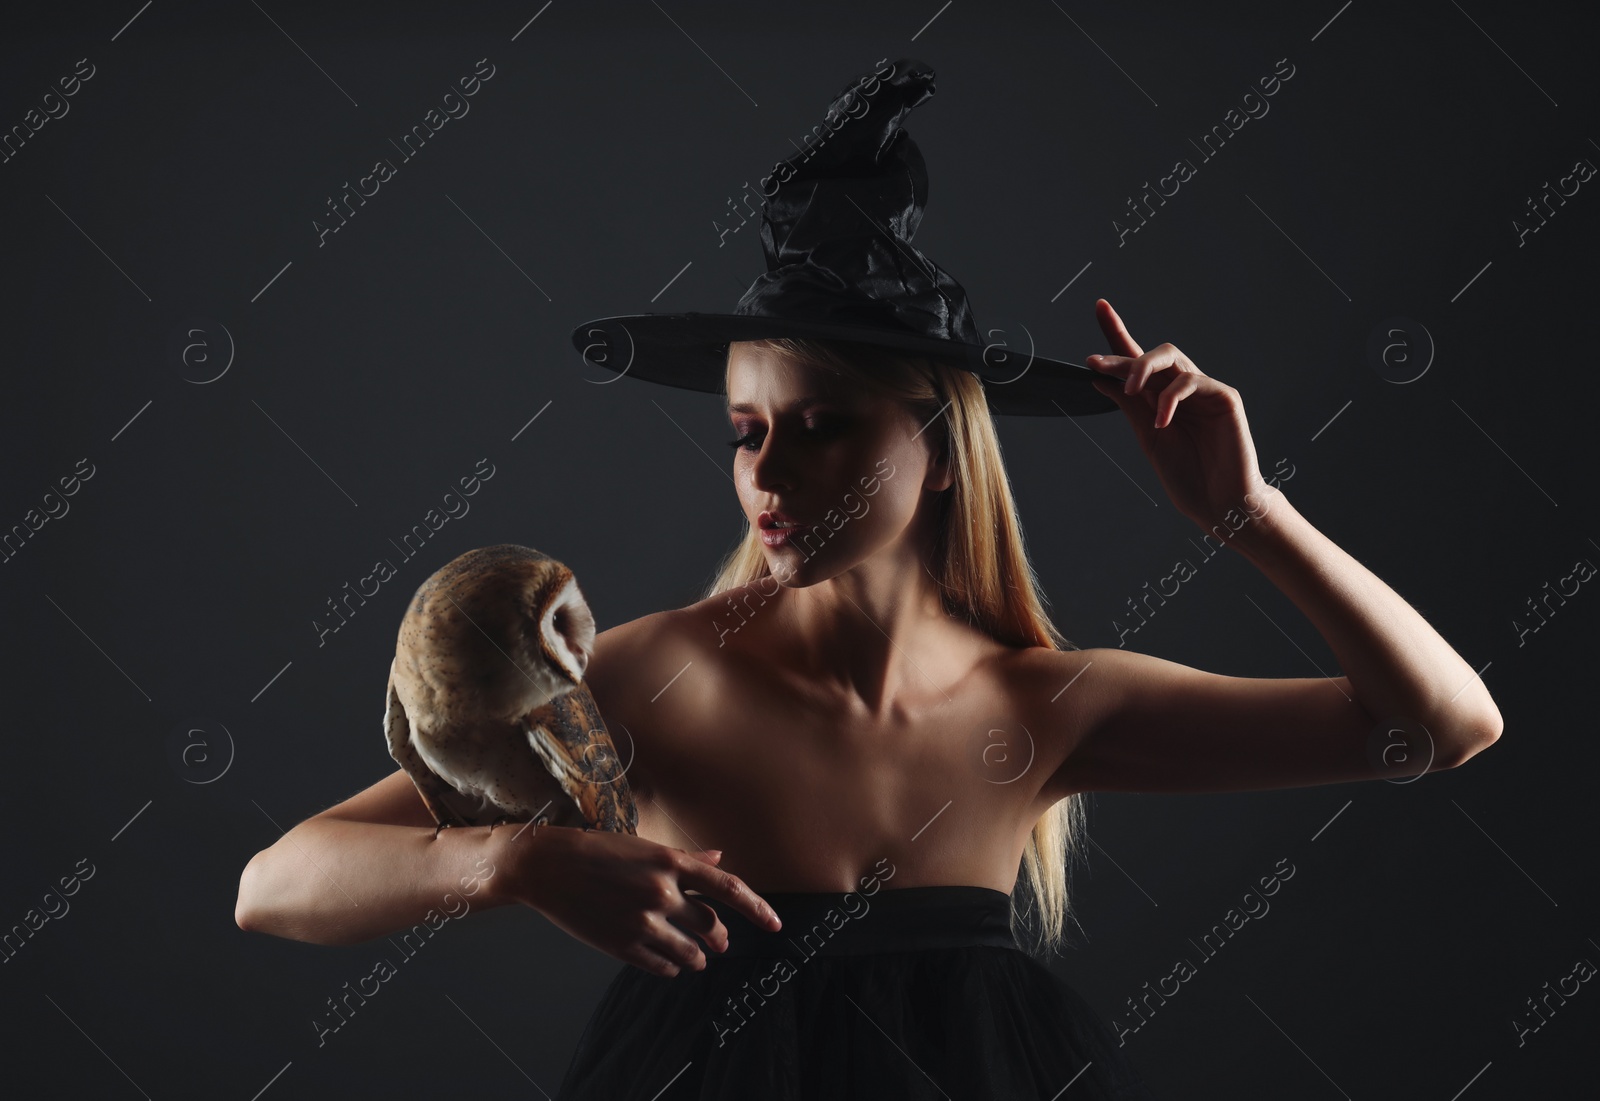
<point>437,795</point>
<point>570,737</point>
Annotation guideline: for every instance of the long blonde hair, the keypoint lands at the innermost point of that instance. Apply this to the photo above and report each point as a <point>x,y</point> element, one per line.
<point>979,560</point>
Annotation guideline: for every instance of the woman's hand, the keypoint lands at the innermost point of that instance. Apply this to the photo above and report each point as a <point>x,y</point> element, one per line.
<point>1190,426</point>
<point>624,894</point>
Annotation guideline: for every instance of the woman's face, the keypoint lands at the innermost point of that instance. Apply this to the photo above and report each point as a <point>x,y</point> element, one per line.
<point>851,467</point>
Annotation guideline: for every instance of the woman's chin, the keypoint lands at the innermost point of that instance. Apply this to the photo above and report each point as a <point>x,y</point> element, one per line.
<point>790,568</point>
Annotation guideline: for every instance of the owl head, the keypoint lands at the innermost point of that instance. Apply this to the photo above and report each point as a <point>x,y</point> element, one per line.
<point>494,634</point>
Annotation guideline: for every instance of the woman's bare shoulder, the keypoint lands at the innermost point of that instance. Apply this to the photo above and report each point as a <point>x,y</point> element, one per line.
<point>628,648</point>
<point>674,635</point>
<point>634,665</point>
<point>1030,669</point>
<point>1069,692</point>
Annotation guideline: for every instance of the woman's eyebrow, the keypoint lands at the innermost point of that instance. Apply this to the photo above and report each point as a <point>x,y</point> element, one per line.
<point>797,403</point>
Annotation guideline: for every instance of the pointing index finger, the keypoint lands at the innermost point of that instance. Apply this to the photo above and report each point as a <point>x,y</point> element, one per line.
<point>1115,331</point>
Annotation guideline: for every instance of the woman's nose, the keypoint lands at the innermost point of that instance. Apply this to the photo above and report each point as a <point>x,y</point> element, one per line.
<point>771,469</point>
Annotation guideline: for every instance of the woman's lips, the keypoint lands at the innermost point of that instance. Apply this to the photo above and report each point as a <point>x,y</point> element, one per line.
<point>777,537</point>
<point>778,527</point>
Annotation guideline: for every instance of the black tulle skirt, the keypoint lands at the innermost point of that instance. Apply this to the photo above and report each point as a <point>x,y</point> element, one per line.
<point>915,993</point>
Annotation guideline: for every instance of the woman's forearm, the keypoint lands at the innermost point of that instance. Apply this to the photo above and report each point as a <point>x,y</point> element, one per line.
<point>336,881</point>
<point>1397,665</point>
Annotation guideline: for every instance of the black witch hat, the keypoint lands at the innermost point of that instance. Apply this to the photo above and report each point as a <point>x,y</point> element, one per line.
<point>836,229</point>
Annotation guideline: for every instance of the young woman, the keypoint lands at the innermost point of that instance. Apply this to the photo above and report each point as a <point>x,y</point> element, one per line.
<point>870,726</point>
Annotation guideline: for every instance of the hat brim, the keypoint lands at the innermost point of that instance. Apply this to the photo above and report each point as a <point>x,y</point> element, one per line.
<point>689,351</point>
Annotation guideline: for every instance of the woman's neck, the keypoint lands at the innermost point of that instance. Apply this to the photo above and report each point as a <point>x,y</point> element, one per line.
<point>877,636</point>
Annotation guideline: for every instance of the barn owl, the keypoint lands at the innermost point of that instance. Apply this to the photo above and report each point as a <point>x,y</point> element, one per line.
<point>486,708</point>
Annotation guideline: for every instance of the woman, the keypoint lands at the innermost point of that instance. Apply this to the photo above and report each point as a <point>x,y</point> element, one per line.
<point>874,722</point>
<point>836,736</point>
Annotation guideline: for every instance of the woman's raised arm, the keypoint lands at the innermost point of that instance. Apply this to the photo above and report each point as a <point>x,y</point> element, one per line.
<point>1407,702</point>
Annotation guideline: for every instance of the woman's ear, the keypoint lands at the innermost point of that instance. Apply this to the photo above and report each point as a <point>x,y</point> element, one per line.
<point>941,472</point>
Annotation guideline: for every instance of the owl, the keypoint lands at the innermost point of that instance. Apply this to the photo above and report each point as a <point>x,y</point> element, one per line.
<point>486,709</point>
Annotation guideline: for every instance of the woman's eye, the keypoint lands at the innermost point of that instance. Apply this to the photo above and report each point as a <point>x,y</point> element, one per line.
<point>751,441</point>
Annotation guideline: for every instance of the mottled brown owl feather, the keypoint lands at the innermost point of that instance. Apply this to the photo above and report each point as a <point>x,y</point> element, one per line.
<point>592,774</point>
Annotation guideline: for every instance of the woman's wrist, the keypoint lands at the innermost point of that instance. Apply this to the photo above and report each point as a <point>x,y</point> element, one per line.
<point>1269,520</point>
<point>513,856</point>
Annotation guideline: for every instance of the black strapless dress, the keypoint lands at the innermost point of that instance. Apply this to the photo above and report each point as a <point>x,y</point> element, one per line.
<point>910,994</point>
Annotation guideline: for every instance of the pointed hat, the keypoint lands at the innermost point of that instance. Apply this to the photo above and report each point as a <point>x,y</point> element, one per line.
<point>836,228</point>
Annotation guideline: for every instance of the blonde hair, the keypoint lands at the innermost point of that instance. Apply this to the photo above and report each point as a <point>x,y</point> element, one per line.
<point>979,559</point>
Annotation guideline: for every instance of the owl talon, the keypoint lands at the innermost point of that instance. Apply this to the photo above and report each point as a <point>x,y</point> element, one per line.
<point>436,829</point>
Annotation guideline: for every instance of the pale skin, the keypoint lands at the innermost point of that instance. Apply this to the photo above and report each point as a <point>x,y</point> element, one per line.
<point>843,723</point>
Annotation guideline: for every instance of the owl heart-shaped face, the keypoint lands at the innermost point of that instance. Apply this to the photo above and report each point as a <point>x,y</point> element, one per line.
<point>566,628</point>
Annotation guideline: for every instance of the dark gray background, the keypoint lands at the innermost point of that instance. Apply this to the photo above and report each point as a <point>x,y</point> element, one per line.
<point>377,370</point>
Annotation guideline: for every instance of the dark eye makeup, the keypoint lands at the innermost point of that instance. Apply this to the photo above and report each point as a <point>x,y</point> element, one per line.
<point>827,426</point>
